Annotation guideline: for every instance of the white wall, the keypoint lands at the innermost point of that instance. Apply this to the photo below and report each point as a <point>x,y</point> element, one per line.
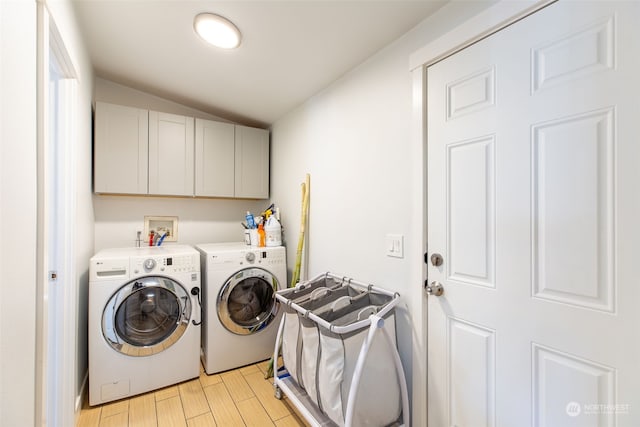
<point>18,172</point>
<point>17,212</point>
<point>118,218</point>
<point>354,138</point>
<point>108,91</point>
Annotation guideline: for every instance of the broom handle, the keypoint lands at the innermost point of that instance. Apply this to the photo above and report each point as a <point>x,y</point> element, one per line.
<point>305,251</point>
<point>303,220</point>
<point>296,270</point>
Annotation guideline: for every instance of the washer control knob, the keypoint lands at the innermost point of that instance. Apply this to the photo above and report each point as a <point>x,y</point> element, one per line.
<point>250,257</point>
<point>149,264</point>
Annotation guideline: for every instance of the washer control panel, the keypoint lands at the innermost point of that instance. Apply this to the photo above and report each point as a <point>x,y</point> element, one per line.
<point>165,264</point>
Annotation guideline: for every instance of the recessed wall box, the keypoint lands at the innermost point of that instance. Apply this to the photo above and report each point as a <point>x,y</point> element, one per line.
<point>161,224</point>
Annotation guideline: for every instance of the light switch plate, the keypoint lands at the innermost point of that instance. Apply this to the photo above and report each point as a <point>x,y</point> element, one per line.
<point>395,245</point>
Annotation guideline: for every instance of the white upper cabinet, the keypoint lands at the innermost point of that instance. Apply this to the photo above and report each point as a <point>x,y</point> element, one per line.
<point>251,163</point>
<point>171,154</point>
<point>214,159</point>
<point>121,149</point>
<point>152,153</point>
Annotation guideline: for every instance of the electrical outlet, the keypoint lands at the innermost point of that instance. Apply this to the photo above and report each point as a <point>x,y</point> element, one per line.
<point>395,245</point>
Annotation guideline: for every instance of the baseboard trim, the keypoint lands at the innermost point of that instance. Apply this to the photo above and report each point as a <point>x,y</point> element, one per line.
<point>81,394</point>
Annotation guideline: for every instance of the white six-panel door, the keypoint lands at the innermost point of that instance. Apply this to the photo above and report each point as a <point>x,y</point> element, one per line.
<point>534,205</point>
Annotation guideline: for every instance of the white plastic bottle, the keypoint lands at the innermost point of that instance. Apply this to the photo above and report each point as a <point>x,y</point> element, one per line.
<point>273,232</point>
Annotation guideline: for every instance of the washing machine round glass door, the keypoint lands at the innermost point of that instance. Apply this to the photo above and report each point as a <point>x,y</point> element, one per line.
<point>146,316</point>
<point>247,301</point>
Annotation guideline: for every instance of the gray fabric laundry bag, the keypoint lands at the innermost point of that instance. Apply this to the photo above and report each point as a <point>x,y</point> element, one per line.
<point>378,398</point>
<point>313,293</point>
<point>326,300</point>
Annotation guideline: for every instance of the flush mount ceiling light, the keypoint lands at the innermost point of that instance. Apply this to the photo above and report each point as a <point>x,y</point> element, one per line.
<point>217,30</point>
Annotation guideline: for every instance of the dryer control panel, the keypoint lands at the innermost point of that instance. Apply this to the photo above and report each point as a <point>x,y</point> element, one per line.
<point>165,264</point>
<point>244,256</point>
<point>258,256</point>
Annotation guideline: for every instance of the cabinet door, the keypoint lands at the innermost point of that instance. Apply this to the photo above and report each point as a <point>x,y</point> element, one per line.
<point>120,150</point>
<point>252,163</point>
<point>214,158</point>
<point>170,154</point>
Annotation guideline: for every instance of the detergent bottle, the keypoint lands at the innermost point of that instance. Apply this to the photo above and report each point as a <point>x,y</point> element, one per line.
<point>273,232</point>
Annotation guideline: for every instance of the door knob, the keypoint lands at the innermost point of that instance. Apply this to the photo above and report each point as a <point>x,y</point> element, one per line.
<point>435,289</point>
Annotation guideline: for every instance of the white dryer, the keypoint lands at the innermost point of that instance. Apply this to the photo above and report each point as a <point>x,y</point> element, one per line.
<point>240,311</point>
<point>144,320</point>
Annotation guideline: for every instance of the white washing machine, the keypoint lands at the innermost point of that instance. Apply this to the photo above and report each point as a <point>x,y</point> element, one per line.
<point>239,308</point>
<point>144,320</point>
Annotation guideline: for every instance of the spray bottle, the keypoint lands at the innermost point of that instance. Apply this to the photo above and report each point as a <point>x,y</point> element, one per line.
<point>250,221</point>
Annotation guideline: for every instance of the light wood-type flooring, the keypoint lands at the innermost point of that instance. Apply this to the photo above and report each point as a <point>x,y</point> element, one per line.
<point>241,397</point>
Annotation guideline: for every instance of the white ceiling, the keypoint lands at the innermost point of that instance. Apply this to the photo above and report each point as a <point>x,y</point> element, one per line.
<point>290,49</point>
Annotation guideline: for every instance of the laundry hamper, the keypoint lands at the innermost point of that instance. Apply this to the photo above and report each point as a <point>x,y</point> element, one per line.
<point>339,354</point>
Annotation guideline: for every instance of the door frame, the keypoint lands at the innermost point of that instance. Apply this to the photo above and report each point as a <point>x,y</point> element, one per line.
<point>484,24</point>
<point>56,303</point>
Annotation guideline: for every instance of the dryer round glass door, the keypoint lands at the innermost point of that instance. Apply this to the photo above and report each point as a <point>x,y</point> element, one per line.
<point>146,316</point>
<point>247,301</point>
